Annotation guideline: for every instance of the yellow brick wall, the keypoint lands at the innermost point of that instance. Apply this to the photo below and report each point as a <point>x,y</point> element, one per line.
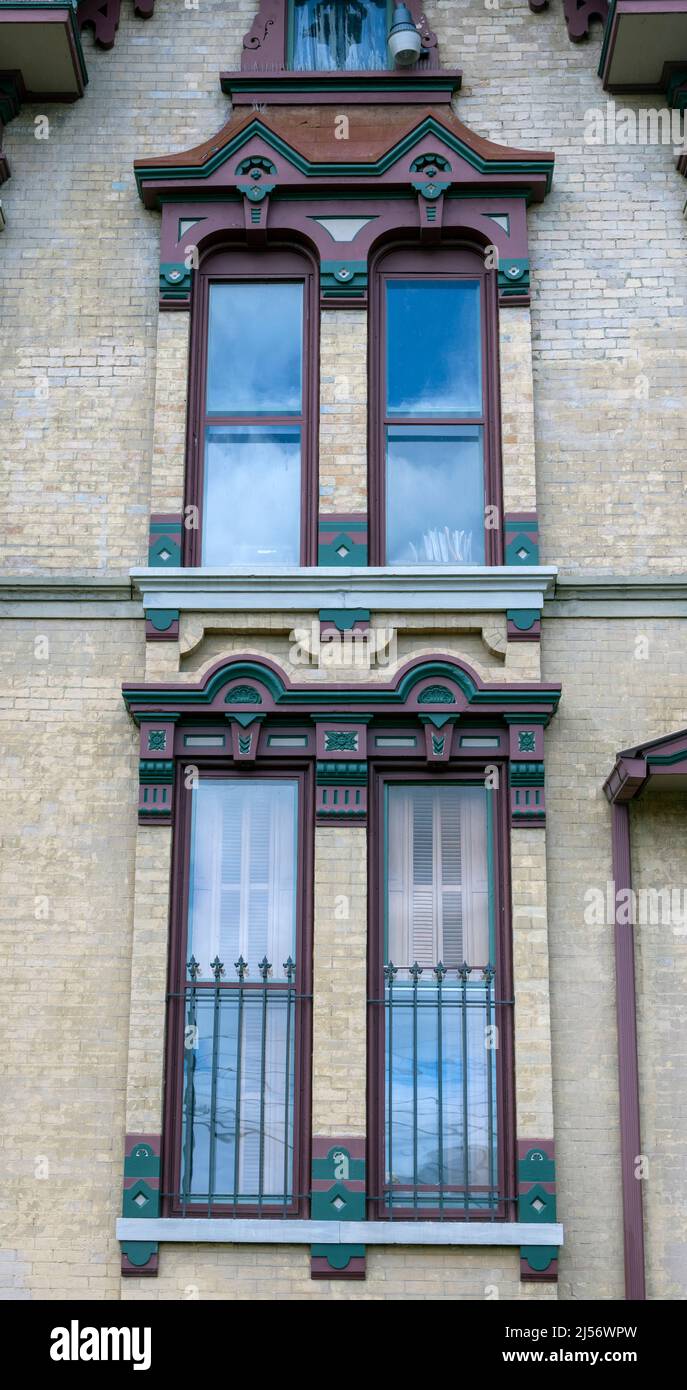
<point>68,798</point>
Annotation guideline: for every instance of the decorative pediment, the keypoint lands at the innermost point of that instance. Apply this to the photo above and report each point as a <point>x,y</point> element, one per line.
<point>420,173</point>
<point>423,685</point>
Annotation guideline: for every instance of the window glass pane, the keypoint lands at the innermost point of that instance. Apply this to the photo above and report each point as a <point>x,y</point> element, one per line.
<point>438,889</point>
<point>255,343</point>
<point>440,1080</point>
<point>344,35</point>
<point>237,1140</point>
<point>434,347</point>
<point>435,495</point>
<point>252,495</point>
<point>242,895</point>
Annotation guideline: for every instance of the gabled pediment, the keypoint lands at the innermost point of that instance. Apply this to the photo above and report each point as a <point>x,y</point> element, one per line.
<point>303,147</point>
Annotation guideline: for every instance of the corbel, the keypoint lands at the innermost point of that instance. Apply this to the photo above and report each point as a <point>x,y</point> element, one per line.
<point>156,769</point>
<point>254,186</point>
<point>338,1194</point>
<point>430,194</point>
<point>438,736</point>
<point>341,769</point>
<point>141,1199</point>
<point>537,1204</point>
<point>245,736</point>
<point>523,624</point>
<point>102,16</point>
<point>526,770</point>
<point>578,15</point>
<point>162,624</point>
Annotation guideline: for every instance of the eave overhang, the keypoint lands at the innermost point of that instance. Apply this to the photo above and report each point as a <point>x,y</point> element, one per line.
<point>41,44</point>
<point>645,45</point>
<point>657,765</point>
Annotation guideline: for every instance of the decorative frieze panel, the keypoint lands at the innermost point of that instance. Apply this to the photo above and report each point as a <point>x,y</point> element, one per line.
<point>342,539</point>
<point>537,1206</point>
<point>338,1194</point>
<point>521,539</point>
<point>141,1200</point>
<point>439,699</point>
<point>165,541</point>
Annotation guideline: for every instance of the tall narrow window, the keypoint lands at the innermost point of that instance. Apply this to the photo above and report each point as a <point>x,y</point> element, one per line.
<point>437,1059</point>
<point>241,995</point>
<point>343,35</point>
<point>252,444</point>
<point>434,444</point>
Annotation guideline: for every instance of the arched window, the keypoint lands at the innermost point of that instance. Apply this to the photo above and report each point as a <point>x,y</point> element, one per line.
<point>251,463</point>
<point>435,458</point>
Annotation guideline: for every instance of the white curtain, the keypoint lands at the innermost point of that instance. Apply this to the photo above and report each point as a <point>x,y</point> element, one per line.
<point>242,903</point>
<point>343,35</point>
<point>438,910</point>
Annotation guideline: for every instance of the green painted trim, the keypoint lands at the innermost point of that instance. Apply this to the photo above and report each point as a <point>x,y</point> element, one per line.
<point>141,1201</point>
<point>299,81</point>
<point>606,38</point>
<point>322,1168</point>
<point>523,618</point>
<point>545,1210</point>
<point>332,774</point>
<point>490,877</point>
<point>162,618</point>
<point>367,698</point>
<point>142,1163</point>
<point>344,618</point>
<point>337,1256</point>
<point>350,1204</point>
<point>538,1257</point>
<point>536,1167</point>
<point>154,771</point>
<point>665,759</point>
<point>526,774</point>
<point>429,126</point>
<point>514,276</point>
<point>139,1252</point>
<point>343,279</point>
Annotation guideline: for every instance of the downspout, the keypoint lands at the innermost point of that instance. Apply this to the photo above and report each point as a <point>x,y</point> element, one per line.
<point>628,1069</point>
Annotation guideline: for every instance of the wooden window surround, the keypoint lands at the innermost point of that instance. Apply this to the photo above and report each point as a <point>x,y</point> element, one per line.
<point>440,266</point>
<point>272,266</point>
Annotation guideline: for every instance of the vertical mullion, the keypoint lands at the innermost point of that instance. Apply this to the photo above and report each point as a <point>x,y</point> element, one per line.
<point>464,972</point>
<point>264,969</point>
<point>217,968</point>
<point>415,973</point>
<point>489,977</point>
<point>439,972</point>
<point>240,966</point>
<point>290,1005</point>
<point>189,1106</point>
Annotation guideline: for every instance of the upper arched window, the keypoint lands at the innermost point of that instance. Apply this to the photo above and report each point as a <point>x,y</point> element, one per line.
<point>252,410</point>
<point>435,471</point>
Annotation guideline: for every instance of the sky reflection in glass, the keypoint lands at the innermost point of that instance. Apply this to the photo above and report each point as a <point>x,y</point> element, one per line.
<point>255,343</point>
<point>435,495</point>
<point>252,495</point>
<point>434,348</point>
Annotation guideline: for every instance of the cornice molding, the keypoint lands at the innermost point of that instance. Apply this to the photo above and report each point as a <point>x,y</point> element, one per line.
<point>388,589</point>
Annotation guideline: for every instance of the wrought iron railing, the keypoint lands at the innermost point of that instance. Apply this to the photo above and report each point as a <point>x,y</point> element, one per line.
<point>441,1092</point>
<point>238,1120</point>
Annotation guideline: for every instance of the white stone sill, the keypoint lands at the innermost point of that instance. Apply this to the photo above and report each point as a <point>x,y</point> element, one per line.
<point>284,1231</point>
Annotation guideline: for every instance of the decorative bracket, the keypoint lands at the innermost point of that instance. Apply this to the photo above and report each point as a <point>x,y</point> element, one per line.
<point>537,1204</point>
<point>338,1194</point>
<point>579,15</point>
<point>141,1199</point>
<point>102,16</point>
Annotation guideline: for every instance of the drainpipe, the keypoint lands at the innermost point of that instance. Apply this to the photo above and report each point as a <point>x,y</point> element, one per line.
<point>628,1070</point>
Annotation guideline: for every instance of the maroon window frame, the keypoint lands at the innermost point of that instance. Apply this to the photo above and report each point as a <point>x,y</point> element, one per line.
<point>382,773</point>
<point>461,261</point>
<point>293,769</point>
<point>273,263</point>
